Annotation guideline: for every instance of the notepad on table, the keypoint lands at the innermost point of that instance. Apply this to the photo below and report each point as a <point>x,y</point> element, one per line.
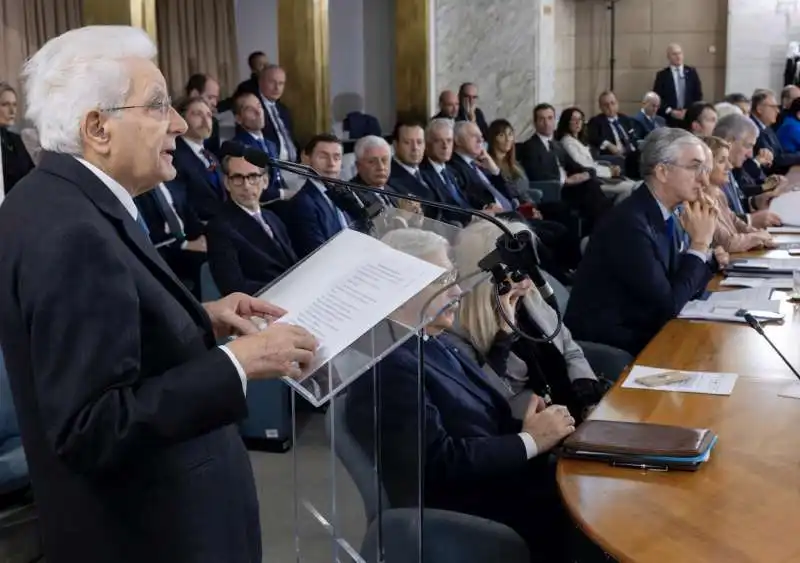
<point>704,382</point>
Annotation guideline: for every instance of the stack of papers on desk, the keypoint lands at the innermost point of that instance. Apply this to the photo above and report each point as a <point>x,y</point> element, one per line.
<point>784,230</point>
<point>763,267</point>
<point>771,283</point>
<point>698,381</point>
<point>787,207</point>
<point>726,305</point>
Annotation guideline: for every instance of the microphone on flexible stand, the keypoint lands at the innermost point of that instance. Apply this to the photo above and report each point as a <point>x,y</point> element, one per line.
<point>755,325</point>
<point>515,253</point>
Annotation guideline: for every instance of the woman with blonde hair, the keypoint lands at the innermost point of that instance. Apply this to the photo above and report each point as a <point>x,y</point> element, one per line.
<point>557,371</point>
<point>732,233</point>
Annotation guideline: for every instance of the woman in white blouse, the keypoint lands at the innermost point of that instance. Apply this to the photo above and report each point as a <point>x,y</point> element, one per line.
<point>570,133</point>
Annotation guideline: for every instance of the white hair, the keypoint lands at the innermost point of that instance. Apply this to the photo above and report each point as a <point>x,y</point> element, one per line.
<point>725,109</point>
<point>735,127</point>
<point>439,123</point>
<point>79,71</point>
<point>416,242</point>
<point>651,96</point>
<point>664,145</point>
<point>370,142</point>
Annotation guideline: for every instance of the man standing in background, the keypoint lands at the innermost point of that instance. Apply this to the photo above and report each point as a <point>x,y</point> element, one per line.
<point>678,86</point>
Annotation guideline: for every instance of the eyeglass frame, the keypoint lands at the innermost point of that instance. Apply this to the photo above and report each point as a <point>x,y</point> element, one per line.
<point>164,105</point>
<point>240,180</point>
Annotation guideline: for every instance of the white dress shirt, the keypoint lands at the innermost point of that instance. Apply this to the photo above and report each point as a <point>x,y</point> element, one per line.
<point>679,78</point>
<point>198,149</point>
<point>324,191</point>
<point>273,115</point>
<point>127,202</point>
<point>561,172</point>
<point>413,170</point>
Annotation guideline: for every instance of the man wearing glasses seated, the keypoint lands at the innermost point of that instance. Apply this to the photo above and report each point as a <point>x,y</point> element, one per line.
<point>248,247</point>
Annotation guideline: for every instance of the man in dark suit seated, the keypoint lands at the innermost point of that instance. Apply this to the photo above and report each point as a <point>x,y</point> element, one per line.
<point>175,231</point>
<point>448,106</point>
<point>678,86</point>
<point>16,162</point>
<point>278,122</point>
<point>199,178</point>
<point>127,404</point>
<point>468,109</point>
<point>545,160</point>
<point>647,119</point>
<point>206,87</point>
<point>249,113</point>
<point>479,459</point>
<point>311,216</point>
<point>635,276</point>
<point>745,194</point>
<point>256,61</point>
<point>764,113</point>
<point>248,247</point>
<point>614,135</point>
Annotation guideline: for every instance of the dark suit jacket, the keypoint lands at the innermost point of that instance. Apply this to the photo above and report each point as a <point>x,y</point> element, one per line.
<point>241,255</point>
<point>434,180</point>
<point>403,182</point>
<point>599,131</point>
<point>783,160</point>
<point>127,423</point>
<point>626,289</point>
<point>270,132</point>
<point>542,165</point>
<point>645,126</point>
<point>470,183</point>
<point>273,190</point>
<point>664,86</point>
<point>16,160</point>
<point>156,220</point>
<point>193,182</point>
<point>213,143</point>
<point>310,219</point>
<point>250,85</point>
<point>480,119</point>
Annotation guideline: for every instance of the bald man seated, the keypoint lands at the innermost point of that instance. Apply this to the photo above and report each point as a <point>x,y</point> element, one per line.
<point>648,120</point>
<point>448,105</point>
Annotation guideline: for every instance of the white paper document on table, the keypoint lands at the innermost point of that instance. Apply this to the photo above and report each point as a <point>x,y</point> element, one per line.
<point>771,283</point>
<point>784,230</point>
<point>766,264</point>
<point>787,207</point>
<point>346,288</point>
<point>704,382</point>
<point>727,311</point>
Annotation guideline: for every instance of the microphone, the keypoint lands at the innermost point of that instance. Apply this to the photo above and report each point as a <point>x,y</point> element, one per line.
<point>515,254</point>
<point>755,325</point>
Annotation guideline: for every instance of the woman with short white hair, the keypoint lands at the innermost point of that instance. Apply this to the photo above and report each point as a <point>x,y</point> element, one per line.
<point>558,369</point>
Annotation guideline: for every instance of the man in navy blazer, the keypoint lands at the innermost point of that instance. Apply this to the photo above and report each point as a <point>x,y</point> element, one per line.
<point>278,121</point>
<point>678,86</point>
<point>311,215</point>
<point>248,247</point>
<point>126,403</point>
<point>635,276</point>
<point>647,119</point>
<point>479,459</point>
<point>199,177</point>
<point>249,114</point>
<point>764,113</point>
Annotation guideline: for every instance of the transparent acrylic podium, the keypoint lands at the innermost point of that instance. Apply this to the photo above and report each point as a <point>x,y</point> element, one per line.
<point>340,495</point>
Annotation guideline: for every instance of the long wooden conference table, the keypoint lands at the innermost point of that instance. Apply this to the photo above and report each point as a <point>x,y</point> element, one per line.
<point>743,505</point>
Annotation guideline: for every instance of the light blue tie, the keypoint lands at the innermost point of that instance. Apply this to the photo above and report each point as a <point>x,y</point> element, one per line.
<point>504,202</point>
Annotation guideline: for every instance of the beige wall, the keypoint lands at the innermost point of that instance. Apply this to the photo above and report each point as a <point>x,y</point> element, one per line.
<point>565,74</point>
<point>644,29</point>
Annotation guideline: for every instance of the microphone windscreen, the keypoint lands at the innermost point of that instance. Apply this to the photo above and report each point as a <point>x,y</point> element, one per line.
<point>231,148</point>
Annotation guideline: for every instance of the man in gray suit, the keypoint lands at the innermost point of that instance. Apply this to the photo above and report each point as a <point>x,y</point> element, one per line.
<point>647,120</point>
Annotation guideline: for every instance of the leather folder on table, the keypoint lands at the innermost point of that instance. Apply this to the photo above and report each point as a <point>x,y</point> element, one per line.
<point>640,445</point>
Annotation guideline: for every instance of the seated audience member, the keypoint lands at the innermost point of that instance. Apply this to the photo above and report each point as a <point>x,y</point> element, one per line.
<point>256,61</point>
<point>647,118</point>
<point>437,174</point>
<point>774,157</point>
<point>248,247</point>
<point>732,233</point>
<point>789,94</point>
<point>570,133</point>
<point>175,230</point>
<point>561,248</point>
<point>789,131</point>
<point>373,162</point>
<point>249,115</point>
<point>311,215</point>
<point>545,160</point>
<point>477,174</point>
<point>740,101</point>
<point>724,109</point>
<point>203,86</point>
<point>405,176</point>
<point>199,178</point>
<point>635,276</point>
<point>448,106</point>
<point>556,369</point>
<point>700,119</point>
<point>479,459</point>
<point>16,161</point>
<point>278,122</point>
<point>747,199</point>
<point>611,132</point>
<point>468,109</point>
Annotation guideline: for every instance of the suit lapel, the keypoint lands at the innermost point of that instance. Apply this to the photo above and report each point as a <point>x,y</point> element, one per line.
<point>130,232</point>
<point>195,167</point>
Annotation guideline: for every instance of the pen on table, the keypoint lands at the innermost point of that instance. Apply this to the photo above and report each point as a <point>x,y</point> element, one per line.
<point>642,466</point>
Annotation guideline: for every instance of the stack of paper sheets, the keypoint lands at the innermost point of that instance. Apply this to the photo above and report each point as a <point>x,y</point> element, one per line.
<point>763,267</point>
<point>726,305</point>
<point>698,381</point>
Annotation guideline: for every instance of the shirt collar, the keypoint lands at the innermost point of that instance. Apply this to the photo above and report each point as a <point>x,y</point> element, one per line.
<point>468,159</point>
<point>665,213</point>
<point>197,148</point>
<point>758,122</point>
<point>545,140</point>
<point>411,169</point>
<point>257,135</point>
<point>644,113</point>
<point>678,68</point>
<point>248,211</point>
<point>116,188</point>
<point>320,186</point>
<point>438,166</point>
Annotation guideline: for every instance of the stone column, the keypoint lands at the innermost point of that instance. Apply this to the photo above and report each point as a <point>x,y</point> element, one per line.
<point>137,13</point>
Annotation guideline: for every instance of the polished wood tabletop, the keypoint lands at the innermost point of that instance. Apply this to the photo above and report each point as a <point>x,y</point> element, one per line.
<point>743,505</point>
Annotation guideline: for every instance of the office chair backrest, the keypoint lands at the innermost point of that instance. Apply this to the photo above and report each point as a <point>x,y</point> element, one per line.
<point>208,288</point>
<point>352,456</point>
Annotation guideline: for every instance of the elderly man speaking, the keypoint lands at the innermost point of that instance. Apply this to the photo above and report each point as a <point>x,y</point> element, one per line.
<point>126,404</point>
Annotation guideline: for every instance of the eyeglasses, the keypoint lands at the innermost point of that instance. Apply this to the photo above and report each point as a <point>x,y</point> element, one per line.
<point>447,278</point>
<point>240,179</point>
<point>698,168</point>
<point>162,106</point>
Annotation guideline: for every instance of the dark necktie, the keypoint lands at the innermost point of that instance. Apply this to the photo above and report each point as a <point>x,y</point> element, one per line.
<point>418,176</point>
<point>504,202</point>
<point>623,137</point>
<point>453,190</point>
<point>213,173</point>
<point>140,221</point>
<point>169,214</point>
<point>668,241</point>
<point>734,194</point>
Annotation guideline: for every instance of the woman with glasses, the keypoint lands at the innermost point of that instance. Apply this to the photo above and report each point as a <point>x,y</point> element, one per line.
<point>732,233</point>
<point>16,160</point>
<point>571,133</point>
